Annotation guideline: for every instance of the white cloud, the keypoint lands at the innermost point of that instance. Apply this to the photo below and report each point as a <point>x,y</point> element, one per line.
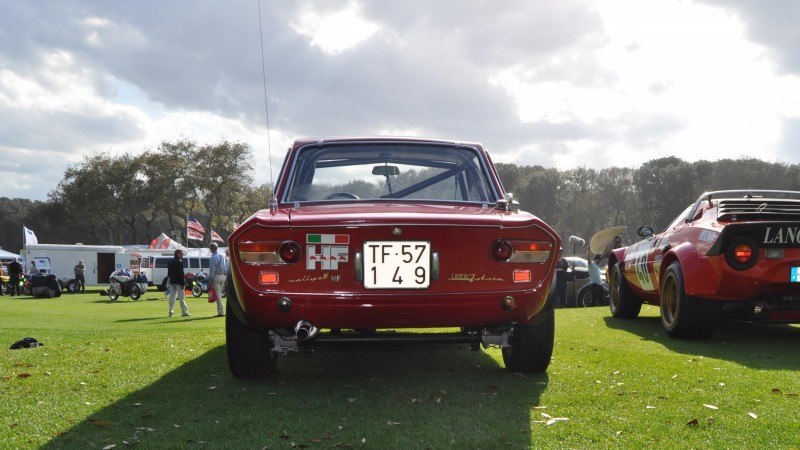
<point>334,31</point>
<point>683,78</point>
<point>559,84</point>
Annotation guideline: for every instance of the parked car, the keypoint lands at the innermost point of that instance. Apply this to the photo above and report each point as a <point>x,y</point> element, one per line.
<point>730,254</point>
<point>579,293</point>
<point>373,234</point>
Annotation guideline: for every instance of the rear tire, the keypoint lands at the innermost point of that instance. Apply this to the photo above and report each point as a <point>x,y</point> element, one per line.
<point>531,346</point>
<point>682,316</point>
<point>622,302</point>
<point>250,353</point>
<point>72,287</point>
<point>164,284</point>
<point>197,290</point>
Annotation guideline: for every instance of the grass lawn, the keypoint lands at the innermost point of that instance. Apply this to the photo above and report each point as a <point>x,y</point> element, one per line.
<point>123,374</point>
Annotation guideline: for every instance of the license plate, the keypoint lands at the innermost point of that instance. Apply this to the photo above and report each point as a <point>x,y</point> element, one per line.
<point>794,276</point>
<point>397,264</point>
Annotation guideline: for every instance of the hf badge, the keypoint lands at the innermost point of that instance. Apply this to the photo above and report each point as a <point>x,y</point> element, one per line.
<point>327,251</point>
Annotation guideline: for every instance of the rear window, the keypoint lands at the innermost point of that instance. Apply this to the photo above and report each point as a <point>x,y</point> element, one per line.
<point>381,171</point>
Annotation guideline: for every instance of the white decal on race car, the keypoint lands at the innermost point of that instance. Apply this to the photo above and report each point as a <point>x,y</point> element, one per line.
<point>708,236</point>
<point>329,256</point>
<point>637,257</point>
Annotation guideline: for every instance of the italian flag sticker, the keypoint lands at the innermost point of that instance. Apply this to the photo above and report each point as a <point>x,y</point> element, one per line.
<point>327,238</point>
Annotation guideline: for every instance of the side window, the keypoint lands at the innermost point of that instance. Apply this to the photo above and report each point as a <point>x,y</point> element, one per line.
<point>185,263</point>
<point>161,263</point>
<point>204,263</point>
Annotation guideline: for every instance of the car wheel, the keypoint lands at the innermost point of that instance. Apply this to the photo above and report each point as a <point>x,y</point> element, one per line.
<point>197,290</point>
<point>72,286</point>
<point>622,302</point>
<point>250,351</point>
<point>683,316</point>
<point>584,298</point>
<point>531,346</point>
<point>136,292</point>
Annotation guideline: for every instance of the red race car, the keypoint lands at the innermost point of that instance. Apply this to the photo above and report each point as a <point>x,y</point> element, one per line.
<point>364,235</point>
<point>731,254</point>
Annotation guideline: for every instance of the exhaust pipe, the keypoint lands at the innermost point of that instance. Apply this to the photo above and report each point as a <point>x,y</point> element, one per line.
<point>305,330</point>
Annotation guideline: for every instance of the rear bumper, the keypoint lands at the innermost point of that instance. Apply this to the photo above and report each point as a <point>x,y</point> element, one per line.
<point>389,310</point>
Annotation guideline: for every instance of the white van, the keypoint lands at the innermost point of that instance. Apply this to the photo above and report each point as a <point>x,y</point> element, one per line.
<point>155,268</point>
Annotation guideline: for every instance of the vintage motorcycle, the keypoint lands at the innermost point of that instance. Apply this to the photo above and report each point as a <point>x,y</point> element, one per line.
<point>201,284</point>
<point>124,283</point>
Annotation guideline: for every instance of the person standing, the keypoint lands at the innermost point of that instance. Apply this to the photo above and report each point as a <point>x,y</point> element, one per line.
<point>14,273</point>
<point>80,277</point>
<point>216,274</point>
<point>177,283</point>
<point>596,281</point>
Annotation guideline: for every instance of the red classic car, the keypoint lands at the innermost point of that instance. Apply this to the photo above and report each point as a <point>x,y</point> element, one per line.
<point>731,254</point>
<point>366,237</point>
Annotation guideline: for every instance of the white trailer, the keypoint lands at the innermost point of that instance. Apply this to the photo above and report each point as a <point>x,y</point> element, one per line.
<point>100,260</point>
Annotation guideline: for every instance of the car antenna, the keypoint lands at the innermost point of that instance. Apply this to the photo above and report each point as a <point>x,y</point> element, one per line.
<point>273,203</point>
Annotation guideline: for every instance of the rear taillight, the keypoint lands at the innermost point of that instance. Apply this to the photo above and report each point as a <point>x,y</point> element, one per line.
<point>519,251</point>
<point>289,251</point>
<point>269,252</point>
<point>502,251</point>
<point>742,253</point>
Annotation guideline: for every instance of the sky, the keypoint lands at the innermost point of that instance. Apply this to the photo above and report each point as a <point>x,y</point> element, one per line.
<point>564,84</point>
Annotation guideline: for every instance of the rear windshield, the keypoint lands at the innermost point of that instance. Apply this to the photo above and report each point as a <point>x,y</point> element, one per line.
<point>375,171</point>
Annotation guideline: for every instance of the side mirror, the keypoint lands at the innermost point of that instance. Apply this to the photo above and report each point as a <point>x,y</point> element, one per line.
<point>645,232</point>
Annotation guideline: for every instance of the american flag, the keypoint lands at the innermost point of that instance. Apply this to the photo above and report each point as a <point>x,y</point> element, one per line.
<point>194,235</point>
<point>193,224</point>
<point>216,237</point>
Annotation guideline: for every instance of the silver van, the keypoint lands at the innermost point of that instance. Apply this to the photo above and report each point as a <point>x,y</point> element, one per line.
<point>155,268</point>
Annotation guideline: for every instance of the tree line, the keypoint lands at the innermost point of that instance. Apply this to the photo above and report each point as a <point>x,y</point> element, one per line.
<point>132,198</point>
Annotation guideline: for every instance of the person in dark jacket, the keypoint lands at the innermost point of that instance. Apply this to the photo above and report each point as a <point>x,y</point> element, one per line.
<point>177,284</point>
<point>14,272</point>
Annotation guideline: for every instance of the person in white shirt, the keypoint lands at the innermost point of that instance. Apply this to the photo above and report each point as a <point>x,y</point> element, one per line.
<point>596,280</point>
<point>216,275</point>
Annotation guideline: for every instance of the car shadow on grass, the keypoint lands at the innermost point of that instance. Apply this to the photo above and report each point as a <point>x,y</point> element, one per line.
<point>763,346</point>
<point>437,396</point>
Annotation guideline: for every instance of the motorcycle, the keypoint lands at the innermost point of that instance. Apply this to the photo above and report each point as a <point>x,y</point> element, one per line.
<point>125,284</point>
<point>188,282</point>
<point>201,284</point>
